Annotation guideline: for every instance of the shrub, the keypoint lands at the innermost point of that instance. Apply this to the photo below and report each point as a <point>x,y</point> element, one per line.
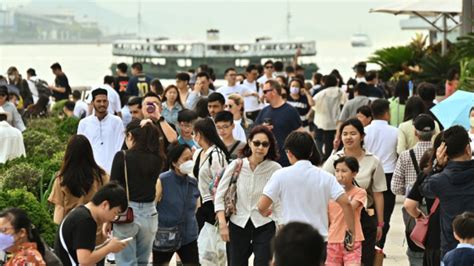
<point>32,138</point>
<point>22,175</point>
<point>39,216</point>
<point>67,127</point>
<point>48,146</point>
<point>44,125</point>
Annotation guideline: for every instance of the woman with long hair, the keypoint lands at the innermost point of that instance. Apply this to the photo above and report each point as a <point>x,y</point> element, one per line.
<point>21,239</point>
<point>208,162</point>
<point>248,231</point>
<point>398,103</point>
<point>78,179</point>
<point>139,167</point>
<point>235,105</point>
<point>171,104</point>
<point>177,206</point>
<point>370,177</point>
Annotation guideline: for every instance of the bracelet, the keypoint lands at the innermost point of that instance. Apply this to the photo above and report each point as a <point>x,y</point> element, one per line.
<point>380,224</point>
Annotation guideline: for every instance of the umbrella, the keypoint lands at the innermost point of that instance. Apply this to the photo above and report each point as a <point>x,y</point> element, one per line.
<point>455,109</point>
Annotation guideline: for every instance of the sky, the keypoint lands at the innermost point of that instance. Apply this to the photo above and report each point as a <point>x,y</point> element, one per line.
<point>236,20</point>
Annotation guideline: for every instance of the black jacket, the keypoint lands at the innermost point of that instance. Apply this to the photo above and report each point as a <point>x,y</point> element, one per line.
<point>454,187</point>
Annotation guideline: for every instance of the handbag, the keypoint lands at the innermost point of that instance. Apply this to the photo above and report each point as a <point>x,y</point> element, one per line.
<point>125,217</point>
<point>168,239</point>
<point>418,235</point>
<point>230,196</point>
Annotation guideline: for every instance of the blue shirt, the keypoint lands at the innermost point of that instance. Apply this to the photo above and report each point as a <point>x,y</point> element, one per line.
<point>178,192</point>
<point>462,255</point>
<point>285,119</point>
<point>171,116</point>
<point>190,142</point>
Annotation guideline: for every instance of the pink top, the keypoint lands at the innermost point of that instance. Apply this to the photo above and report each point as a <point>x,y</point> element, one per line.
<point>337,224</point>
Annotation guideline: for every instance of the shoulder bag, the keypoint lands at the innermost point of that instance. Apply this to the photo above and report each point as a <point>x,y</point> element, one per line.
<point>230,196</point>
<point>125,217</point>
<point>169,239</point>
<point>418,235</point>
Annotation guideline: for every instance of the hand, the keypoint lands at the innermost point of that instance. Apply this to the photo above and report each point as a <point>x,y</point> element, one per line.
<point>441,156</point>
<point>106,229</point>
<point>115,245</point>
<point>224,232</point>
<point>145,121</point>
<point>198,87</point>
<point>270,127</point>
<point>336,143</point>
<point>267,213</point>
<point>379,233</point>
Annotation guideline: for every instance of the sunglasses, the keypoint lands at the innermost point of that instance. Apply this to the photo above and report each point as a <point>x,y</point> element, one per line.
<point>264,144</point>
<point>266,91</point>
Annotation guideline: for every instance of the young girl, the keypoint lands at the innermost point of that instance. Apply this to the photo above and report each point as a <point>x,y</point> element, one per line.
<point>337,253</point>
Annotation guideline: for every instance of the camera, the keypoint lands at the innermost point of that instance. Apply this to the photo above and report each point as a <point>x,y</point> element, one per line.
<point>150,108</point>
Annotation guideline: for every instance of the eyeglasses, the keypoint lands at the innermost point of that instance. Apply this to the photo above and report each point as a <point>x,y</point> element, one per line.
<point>187,126</point>
<point>223,127</point>
<point>264,144</point>
<point>266,91</point>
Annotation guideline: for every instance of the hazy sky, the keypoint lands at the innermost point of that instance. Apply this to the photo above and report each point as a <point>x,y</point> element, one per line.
<point>239,20</point>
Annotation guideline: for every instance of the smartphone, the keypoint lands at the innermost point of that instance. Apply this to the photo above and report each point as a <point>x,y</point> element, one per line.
<point>347,239</point>
<point>267,121</point>
<point>150,108</point>
<point>126,240</point>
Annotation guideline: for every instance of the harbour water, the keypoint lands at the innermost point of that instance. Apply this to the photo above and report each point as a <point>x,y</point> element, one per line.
<point>86,65</point>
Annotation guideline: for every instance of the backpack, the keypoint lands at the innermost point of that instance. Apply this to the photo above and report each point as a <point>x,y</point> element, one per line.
<point>42,87</point>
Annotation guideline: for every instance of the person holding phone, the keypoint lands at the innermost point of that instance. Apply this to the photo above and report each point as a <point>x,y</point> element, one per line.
<point>344,247</point>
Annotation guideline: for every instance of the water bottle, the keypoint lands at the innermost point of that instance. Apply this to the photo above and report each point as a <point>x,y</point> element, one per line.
<point>410,88</point>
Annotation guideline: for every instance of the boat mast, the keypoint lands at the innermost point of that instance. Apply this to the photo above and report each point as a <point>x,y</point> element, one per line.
<point>139,19</point>
<point>288,19</point>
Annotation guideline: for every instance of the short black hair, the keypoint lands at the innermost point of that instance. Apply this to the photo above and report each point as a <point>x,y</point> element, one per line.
<point>31,72</point>
<point>122,67</point>
<point>365,110</point>
<point>289,69</point>
<point>350,161</point>
<point>69,105</point>
<point>56,66</point>
<point>76,95</point>
<point>138,66</point>
<point>463,225</point>
<point>426,91</point>
<point>158,86</point>
<point>456,139</point>
<point>330,81</point>
<point>228,69</point>
<point>303,147</point>
<point>203,74</point>
<point>268,62</point>
<point>187,116</point>
<point>299,67</point>
<point>175,152</point>
<point>114,194</point>
<point>135,101</point>
<point>251,67</point>
<point>371,75</point>
<point>224,116</point>
<point>183,76</point>
<point>278,65</point>
<point>109,80</point>
<point>362,88</point>
<point>380,107</point>
<point>201,108</point>
<point>298,244</point>
<point>216,97</point>
<point>151,94</point>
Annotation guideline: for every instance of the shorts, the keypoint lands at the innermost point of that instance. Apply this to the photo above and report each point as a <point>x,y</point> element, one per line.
<point>338,255</point>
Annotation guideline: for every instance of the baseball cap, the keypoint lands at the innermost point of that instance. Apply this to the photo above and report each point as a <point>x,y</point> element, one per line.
<point>424,123</point>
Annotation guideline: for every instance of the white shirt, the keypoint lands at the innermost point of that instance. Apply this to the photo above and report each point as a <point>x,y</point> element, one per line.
<point>113,97</point>
<point>327,108</point>
<point>106,137</point>
<point>238,132</point>
<point>381,140</point>
<point>250,186</point>
<point>228,90</point>
<point>126,116</point>
<point>11,142</point>
<point>251,103</point>
<point>303,191</point>
<point>33,89</point>
<point>81,108</point>
<point>263,79</point>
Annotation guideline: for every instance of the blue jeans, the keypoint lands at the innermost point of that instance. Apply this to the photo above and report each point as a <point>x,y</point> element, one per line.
<point>143,230</point>
<point>415,258</point>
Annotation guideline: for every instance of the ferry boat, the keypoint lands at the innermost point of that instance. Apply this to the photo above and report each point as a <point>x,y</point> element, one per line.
<point>165,58</point>
<point>360,40</point>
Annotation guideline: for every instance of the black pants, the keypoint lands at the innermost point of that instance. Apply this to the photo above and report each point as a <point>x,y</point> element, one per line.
<point>388,206</point>
<point>248,240</point>
<point>252,115</point>
<point>369,228</point>
<point>205,213</point>
<point>188,254</point>
<point>432,257</point>
<point>325,139</point>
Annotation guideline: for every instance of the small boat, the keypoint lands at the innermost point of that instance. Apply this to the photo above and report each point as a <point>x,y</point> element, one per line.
<point>360,40</point>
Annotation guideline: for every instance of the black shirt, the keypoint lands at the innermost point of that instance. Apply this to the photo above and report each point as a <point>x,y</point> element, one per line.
<point>79,232</point>
<point>143,169</point>
<point>121,88</point>
<point>63,82</point>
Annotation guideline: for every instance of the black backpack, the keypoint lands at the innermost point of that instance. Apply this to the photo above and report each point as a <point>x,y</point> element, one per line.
<point>42,87</point>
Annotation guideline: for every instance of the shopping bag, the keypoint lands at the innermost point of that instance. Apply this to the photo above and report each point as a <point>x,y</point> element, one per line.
<point>212,249</point>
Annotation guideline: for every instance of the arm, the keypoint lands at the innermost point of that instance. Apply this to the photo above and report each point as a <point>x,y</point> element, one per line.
<point>17,121</point>
<point>308,96</point>
<point>379,203</point>
<point>397,184</point>
<point>169,132</point>
<point>192,100</point>
<point>58,89</point>
<point>411,206</point>
<point>264,204</point>
<point>58,214</point>
<point>159,191</point>
<point>402,141</point>
<point>348,211</point>
<point>87,257</point>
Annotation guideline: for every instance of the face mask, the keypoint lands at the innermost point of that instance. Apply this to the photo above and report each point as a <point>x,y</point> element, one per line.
<point>471,119</point>
<point>6,241</point>
<point>294,90</point>
<point>186,167</point>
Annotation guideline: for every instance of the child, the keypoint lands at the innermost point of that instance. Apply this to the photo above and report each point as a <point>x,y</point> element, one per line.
<point>337,253</point>
<point>463,254</point>
<point>225,125</point>
<point>186,119</point>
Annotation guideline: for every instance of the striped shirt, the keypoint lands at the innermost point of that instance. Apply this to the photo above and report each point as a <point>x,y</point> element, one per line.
<point>405,173</point>
<point>301,106</point>
<point>250,186</point>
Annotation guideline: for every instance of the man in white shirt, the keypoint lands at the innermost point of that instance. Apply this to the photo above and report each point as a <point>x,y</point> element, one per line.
<point>104,131</point>
<point>304,190</point>
<point>381,140</point>
<point>115,107</point>
<point>232,87</point>
<point>267,72</point>
<point>252,103</point>
<point>11,139</point>
<point>81,109</point>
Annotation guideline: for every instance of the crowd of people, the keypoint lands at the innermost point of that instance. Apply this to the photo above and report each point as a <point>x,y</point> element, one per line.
<point>295,172</point>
